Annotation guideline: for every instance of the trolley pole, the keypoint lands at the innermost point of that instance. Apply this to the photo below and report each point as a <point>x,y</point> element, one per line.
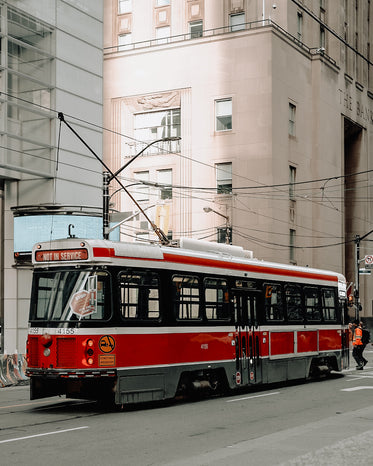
<point>108,176</point>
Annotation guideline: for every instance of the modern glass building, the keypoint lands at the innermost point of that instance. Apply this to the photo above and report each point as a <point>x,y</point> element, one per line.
<point>50,62</point>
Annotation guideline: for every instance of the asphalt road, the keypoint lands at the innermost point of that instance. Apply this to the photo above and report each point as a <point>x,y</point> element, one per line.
<point>328,422</point>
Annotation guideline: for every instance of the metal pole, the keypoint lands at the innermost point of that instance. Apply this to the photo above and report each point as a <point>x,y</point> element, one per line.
<point>357,278</point>
<point>105,204</point>
<point>227,231</point>
<point>358,238</point>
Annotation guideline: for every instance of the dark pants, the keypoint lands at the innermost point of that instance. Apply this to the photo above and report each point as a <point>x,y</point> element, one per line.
<point>357,354</point>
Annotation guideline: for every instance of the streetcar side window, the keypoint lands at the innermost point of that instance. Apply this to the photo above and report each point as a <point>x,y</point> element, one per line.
<point>216,299</point>
<point>329,305</point>
<point>186,297</point>
<point>293,299</point>
<point>312,304</point>
<point>99,286</point>
<point>139,296</point>
<point>273,306</point>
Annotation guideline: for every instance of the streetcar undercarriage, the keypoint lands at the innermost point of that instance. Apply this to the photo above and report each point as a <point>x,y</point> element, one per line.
<point>139,386</point>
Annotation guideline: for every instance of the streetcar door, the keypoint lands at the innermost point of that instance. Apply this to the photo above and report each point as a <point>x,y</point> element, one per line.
<point>248,369</point>
<point>241,318</point>
<point>254,368</point>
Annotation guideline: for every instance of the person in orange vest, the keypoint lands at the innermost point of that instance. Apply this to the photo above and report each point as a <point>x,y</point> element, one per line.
<point>358,346</point>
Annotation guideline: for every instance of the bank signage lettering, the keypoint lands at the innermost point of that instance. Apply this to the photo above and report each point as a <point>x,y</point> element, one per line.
<point>362,111</point>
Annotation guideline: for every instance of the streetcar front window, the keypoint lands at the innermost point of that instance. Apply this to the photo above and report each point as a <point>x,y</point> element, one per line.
<point>70,295</point>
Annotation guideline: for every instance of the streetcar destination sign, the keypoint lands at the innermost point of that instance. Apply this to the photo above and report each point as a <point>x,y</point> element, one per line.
<point>61,255</point>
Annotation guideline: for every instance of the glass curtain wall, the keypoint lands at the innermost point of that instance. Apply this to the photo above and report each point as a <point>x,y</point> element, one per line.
<point>27,80</point>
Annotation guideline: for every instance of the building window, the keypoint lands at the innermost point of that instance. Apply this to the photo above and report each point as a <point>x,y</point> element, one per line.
<point>124,40</point>
<point>292,246</point>
<point>141,191</point>
<point>162,34</point>
<point>237,22</point>
<point>196,29</point>
<point>141,237</point>
<point>292,109</point>
<point>322,38</point>
<point>151,126</point>
<point>300,26</point>
<point>292,175</point>
<point>223,114</point>
<point>124,6</point>
<point>224,178</point>
<point>163,2</point>
<point>164,180</point>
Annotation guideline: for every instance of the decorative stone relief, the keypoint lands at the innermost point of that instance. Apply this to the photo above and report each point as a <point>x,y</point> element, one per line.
<point>153,101</point>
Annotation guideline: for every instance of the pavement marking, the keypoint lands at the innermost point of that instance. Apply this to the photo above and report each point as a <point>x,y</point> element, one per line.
<point>250,397</point>
<point>28,404</point>
<point>41,435</point>
<point>352,389</point>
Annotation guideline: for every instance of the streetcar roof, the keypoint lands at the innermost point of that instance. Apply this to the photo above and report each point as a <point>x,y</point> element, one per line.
<point>204,253</point>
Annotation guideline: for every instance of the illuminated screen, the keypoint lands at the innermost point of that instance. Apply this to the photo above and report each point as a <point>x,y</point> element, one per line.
<point>31,229</point>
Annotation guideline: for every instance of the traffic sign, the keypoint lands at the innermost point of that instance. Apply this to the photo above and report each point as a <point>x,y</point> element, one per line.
<point>368,262</point>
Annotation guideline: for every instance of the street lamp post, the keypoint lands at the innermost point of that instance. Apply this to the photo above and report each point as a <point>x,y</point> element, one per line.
<point>357,240</point>
<point>227,223</point>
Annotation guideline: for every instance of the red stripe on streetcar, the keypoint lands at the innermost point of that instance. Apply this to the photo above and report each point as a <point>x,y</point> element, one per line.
<point>247,267</point>
<point>103,252</point>
<point>199,261</point>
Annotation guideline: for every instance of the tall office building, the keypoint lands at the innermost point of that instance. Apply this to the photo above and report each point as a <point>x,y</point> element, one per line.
<point>273,101</point>
<point>50,184</point>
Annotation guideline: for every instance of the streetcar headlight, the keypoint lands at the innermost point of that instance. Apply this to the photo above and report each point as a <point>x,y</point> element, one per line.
<point>47,352</point>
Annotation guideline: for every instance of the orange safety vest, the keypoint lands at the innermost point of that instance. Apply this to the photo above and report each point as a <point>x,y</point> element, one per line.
<point>358,335</point>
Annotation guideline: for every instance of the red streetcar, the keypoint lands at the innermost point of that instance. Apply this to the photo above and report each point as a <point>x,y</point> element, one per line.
<point>135,322</point>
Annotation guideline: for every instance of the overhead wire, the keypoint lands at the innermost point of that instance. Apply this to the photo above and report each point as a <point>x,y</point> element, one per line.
<point>203,189</point>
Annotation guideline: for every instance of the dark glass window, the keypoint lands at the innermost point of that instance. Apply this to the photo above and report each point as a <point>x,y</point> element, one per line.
<point>139,295</point>
<point>293,297</point>
<point>273,306</point>
<point>329,305</point>
<point>70,295</point>
<point>186,297</point>
<point>216,299</point>
<point>312,304</point>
